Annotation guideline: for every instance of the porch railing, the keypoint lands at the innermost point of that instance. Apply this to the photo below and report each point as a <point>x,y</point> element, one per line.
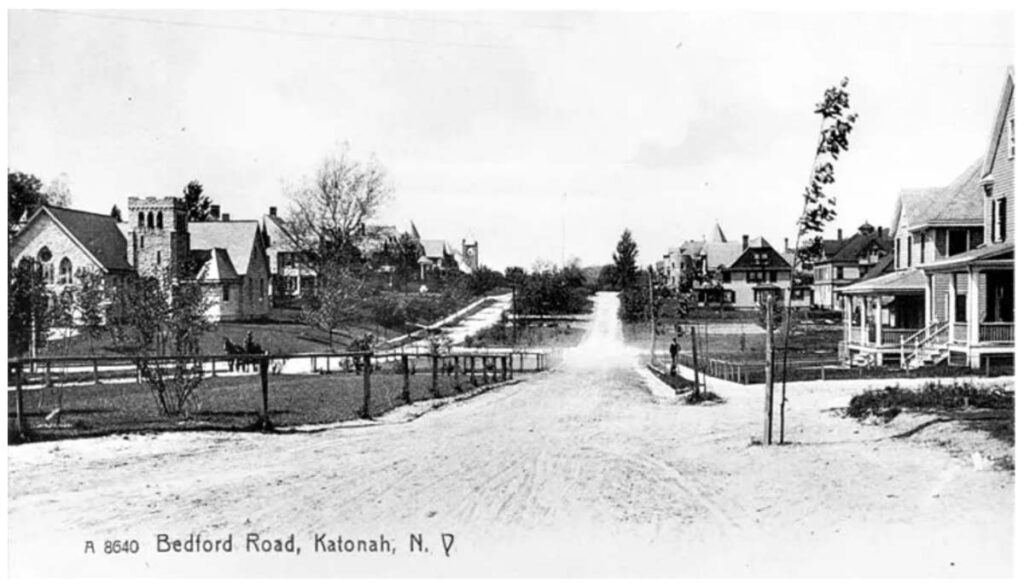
<point>995,332</point>
<point>855,334</point>
<point>893,336</point>
<point>912,348</point>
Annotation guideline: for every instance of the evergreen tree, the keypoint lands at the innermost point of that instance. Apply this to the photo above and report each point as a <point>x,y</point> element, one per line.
<point>625,261</point>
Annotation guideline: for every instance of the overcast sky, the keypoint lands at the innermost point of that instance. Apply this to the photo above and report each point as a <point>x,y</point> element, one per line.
<point>505,127</point>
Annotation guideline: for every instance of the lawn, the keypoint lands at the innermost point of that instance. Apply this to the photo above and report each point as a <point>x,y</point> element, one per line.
<point>224,403</point>
<point>555,334</point>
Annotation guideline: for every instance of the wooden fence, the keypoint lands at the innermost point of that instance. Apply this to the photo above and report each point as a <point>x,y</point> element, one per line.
<point>476,367</point>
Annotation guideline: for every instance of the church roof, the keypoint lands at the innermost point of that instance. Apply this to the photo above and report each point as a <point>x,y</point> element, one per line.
<point>98,234</point>
<point>235,237</point>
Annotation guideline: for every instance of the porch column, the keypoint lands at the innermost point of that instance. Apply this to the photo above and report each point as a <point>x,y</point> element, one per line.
<point>951,305</point>
<point>863,320</point>
<point>928,300</point>
<point>973,306</point>
<point>878,320</point>
<point>847,317</point>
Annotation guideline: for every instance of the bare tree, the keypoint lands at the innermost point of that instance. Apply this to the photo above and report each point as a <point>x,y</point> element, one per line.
<point>337,299</point>
<point>329,209</point>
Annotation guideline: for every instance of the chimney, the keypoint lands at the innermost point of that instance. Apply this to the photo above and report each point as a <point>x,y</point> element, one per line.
<point>273,211</point>
<point>839,234</point>
<point>225,217</point>
<point>785,244</point>
<point>215,211</point>
<point>746,241</point>
<point>880,232</point>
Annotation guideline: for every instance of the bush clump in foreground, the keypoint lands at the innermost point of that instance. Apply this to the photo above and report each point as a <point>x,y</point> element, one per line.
<point>888,402</point>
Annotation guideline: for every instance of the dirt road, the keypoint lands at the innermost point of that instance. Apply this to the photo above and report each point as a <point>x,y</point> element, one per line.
<point>579,472</point>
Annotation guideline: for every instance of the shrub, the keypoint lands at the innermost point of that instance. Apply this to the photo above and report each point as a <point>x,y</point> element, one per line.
<point>888,402</point>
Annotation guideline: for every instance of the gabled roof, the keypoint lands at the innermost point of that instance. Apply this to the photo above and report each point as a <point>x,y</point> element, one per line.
<point>958,204</point>
<point>436,248</point>
<point>216,264</point>
<point>98,234</point>
<point>236,237</point>
<point>884,265</point>
<point>717,236</point>
<point>746,259</point>
<point>997,128</point>
<point>907,280</point>
<point>854,246</point>
<point>721,254</point>
<point>277,233</point>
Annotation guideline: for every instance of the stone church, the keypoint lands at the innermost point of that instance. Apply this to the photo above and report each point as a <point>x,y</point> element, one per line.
<point>227,257</point>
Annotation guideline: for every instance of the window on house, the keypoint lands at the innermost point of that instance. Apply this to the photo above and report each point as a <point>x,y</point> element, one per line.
<point>960,308</point>
<point>921,256</point>
<point>910,251</point>
<point>65,271</point>
<point>158,258</point>
<point>726,277</point>
<point>899,259</point>
<point>1013,140</point>
<point>1000,233</point>
<point>226,294</point>
<point>956,241</point>
<point>773,276</point>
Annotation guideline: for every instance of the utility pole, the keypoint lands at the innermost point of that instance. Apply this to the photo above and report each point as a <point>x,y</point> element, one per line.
<point>515,317</point>
<point>650,289</point>
<point>768,371</point>
<point>563,230</point>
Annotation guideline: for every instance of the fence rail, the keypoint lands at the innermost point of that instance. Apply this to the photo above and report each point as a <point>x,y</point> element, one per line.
<point>115,393</point>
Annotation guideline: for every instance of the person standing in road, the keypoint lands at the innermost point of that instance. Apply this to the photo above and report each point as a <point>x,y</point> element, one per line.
<point>673,351</point>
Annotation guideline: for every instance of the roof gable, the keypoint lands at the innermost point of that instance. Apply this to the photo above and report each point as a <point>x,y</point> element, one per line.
<point>96,234</point>
<point>1000,122</point>
<point>238,238</point>
<point>749,258</point>
<point>959,203</point>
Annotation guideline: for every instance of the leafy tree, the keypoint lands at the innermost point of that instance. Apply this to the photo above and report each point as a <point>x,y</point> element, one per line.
<point>197,203</point>
<point>90,302</point>
<point>624,259</point>
<point>328,209</point>
<point>57,191</point>
<point>115,213</point>
<point>150,316</point>
<point>483,280</point>
<point>24,192</point>
<point>608,278</point>
<point>514,275</point>
<point>27,302</point>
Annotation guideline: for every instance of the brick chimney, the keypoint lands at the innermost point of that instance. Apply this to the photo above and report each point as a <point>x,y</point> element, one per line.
<point>225,217</point>
<point>785,244</point>
<point>746,241</point>
<point>215,211</point>
<point>839,234</point>
<point>273,211</point>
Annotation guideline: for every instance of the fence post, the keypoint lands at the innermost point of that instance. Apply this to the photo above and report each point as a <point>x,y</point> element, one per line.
<point>433,375</point>
<point>367,368</point>
<point>19,400</point>
<point>213,367</point>
<point>406,396</point>
<point>696,363</point>
<point>95,371</point>
<point>458,373</point>
<point>504,368</point>
<point>472,371</point>
<point>265,411</point>
<point>769,374</point>
<point>511,367</point>
<point>47,376</point>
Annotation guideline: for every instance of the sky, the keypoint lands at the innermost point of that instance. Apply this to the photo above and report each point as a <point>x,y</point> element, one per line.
<point>542,135</point>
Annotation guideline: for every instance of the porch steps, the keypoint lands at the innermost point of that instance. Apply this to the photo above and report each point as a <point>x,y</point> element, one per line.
<point>929,356</point>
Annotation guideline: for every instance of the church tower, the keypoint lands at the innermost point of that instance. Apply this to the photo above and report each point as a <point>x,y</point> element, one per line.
<point>159,236</point>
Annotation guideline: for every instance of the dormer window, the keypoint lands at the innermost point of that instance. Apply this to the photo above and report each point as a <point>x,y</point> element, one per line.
<point>1013,140</point>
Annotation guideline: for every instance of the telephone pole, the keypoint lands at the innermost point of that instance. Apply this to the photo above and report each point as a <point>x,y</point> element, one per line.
<point>650,289</point>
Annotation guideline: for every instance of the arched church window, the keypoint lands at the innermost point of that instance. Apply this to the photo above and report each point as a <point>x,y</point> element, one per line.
<point>142,220</point>
<point>159,219</point>
<point>149,220</point>
<point>66,269</point>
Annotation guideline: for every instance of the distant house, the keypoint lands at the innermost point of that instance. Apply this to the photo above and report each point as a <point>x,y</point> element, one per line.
<point>291,274</point>
<point>228,258</point>
<point>845,261</point>
<point>758,270</point>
